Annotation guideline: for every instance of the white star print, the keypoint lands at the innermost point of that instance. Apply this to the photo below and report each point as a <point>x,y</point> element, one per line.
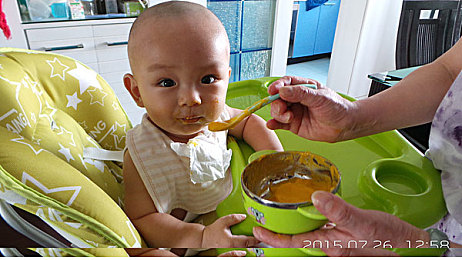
<point>33,85</point>
<point>95,96</point>
<point>57,68</point>
<point>28,82</point>
<point>73,100</point>
<point>97,163</point>
<point>83,125</point>
<point>86,77</point>
<point>111,131</point>
<point>115,105</point>
<point>64,131</point>
<point>26,177</point>
<point>50,116</point>
<point>82,161</point>
<point>20,140</point>
<point>18,85</point>
<point>118,139</point>
<point>66,152</point>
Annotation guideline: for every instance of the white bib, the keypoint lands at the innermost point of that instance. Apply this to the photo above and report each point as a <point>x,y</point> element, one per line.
<point>208,159</point>
<point>193,178</point>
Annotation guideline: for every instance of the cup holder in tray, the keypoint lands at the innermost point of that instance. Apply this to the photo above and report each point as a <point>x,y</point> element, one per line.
<point>397,186</point>
<point>394,178</point>
<point>400,178</point>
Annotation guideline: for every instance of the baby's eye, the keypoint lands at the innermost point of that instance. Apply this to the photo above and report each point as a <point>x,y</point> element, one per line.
<point>166,83</point>
<point>209,79</point>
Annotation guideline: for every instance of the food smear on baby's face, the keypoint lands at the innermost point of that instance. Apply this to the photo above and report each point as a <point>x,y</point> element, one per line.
<point>296,190</point>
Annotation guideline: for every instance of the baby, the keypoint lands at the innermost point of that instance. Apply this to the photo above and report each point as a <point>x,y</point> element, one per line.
<point>175,169</point>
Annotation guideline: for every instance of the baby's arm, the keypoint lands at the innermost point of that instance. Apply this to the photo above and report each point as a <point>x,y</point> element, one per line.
<point>254,132</point>
<point>158,229</point>
<point>149,252</point>
<point>164,230</point>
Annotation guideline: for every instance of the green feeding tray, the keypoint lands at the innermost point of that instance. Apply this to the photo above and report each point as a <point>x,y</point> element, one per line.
<point>381,172</point>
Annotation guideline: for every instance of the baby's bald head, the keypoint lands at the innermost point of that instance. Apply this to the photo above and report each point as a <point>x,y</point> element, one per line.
<point>177,16</point>
<point>179,57</point>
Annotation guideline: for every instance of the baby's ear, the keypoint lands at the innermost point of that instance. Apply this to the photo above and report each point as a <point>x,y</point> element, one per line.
<point>132,86</point>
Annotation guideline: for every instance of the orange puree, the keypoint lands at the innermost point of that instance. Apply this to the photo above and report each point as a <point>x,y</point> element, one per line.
<point>218,126</point>
<point>228,124</point>
<point>297,190</point>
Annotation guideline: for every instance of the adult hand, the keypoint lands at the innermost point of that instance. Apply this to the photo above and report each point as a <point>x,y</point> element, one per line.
<point>317,114</point>
<point>235,253</point>
<point>368,228</point>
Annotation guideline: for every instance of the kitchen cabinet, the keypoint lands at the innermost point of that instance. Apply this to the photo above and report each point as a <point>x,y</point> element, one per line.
<point>305,33</point>
<point>327,24</point>
<point>75,42</point>
<point>103,47</point>
<point>315,29</point>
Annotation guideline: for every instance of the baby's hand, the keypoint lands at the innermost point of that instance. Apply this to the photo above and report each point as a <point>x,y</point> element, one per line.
<point>218,234</point>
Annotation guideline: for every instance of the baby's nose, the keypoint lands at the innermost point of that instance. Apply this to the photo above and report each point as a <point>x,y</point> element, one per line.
<point>189,96</point>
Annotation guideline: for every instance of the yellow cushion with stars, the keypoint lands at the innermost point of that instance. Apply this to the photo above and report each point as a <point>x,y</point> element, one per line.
<point>52,108</point>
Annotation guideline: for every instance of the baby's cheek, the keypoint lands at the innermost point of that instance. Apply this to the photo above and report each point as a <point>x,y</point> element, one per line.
<point>215,108</point>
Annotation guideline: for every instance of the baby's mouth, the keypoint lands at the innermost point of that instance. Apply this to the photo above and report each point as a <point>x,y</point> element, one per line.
<point>191,119</point>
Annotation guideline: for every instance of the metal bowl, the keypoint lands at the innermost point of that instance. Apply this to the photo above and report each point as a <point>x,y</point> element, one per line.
<point>289,218</point>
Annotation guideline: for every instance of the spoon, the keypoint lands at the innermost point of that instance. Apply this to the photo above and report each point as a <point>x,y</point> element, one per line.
<point>229,124</point>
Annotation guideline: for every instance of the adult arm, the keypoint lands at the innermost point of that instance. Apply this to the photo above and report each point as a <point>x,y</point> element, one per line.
<point>415,99</point>
<point>325,116</point>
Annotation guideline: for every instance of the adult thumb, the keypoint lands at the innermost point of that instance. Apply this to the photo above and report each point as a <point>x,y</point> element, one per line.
<point>297,94</point>
<point>337,210</point>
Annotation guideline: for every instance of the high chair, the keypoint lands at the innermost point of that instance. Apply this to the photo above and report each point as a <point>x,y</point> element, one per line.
<point>53,109</point>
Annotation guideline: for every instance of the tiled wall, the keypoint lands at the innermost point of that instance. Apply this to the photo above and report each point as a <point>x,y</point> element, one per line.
<point>249,24</point>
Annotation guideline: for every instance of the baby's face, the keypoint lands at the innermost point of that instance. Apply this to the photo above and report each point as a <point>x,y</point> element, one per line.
<point>183,77</point>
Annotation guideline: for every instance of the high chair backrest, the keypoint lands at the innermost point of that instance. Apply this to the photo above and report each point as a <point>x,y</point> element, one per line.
<point>52,108</point>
